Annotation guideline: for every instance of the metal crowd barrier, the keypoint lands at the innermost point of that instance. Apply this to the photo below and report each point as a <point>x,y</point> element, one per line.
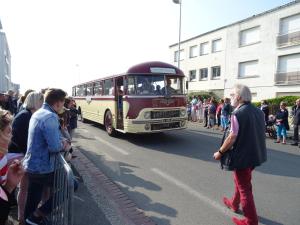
<point>63,191</point>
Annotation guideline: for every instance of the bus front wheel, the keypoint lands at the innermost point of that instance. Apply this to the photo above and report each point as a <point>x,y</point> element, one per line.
<point>108,124</point>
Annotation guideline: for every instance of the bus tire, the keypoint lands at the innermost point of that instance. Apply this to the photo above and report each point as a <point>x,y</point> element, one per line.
<point>82,118</point>
<point>108,124</point>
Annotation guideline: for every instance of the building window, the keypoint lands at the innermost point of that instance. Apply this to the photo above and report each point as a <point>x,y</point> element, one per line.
<point>248,69</point>
<point>204,48</point>
<point>249,36</point>
<point>288,70</point>
<point>203,74</point>
<point>290,24</point>
<point>217,45</point>
<point>193,51</point>
<point>192,75</point>
<point>289,31</point>
<point>181,55</point>
<point>289,63</point>
<point>216,72</point>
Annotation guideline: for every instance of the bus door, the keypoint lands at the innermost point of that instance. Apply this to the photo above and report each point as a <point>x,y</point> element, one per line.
<point>119,87</point>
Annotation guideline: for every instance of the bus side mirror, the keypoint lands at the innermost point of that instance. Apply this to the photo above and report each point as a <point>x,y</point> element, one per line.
<point>186,85</point>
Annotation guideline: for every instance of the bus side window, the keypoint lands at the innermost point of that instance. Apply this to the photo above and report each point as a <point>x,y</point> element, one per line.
<point>98,88</point>
<point>108,87</point>
<point>131,85</point>
<point>80,90</point>
<point>89,89</point>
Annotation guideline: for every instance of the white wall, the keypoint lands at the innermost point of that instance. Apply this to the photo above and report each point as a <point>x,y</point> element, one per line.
<point>265,51</point>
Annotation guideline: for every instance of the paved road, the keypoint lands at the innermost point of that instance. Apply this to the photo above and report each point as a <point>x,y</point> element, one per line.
<point>173,178</point>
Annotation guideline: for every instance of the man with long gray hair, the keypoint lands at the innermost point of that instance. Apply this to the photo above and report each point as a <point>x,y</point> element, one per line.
<point>244,149</point>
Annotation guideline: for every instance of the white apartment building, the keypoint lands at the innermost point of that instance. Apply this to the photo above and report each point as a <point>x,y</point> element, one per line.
<point>262,51</point>
<point>5,69</point>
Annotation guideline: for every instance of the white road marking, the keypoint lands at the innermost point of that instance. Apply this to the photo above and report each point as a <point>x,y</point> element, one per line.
<point>112,146</point>
<point>195,193</point>
<point>78,198</point>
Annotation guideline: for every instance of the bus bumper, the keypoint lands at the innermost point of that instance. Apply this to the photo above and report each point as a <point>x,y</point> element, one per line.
<point>154,126</point>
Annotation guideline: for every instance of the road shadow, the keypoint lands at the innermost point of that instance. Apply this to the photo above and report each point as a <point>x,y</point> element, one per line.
<point>123,175</point>
<point>191,145</point>
<point>275,162</point>
<point>202,143</point>
<point>266,221</point>
<point>77,135</point>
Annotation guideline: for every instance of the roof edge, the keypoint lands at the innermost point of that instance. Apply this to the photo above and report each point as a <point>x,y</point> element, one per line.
<point>240,21</point>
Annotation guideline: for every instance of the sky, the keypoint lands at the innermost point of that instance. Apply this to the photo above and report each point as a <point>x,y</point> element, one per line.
<point>60,43</point>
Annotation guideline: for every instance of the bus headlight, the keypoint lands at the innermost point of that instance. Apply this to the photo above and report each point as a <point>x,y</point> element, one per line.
<point>147,115</point>
<point>182,112</point>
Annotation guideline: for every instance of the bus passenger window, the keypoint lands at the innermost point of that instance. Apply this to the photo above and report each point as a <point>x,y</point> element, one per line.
<point>80,90</point>
<point>89,89</point>
<point>131,86</point>
<point>98,88</point>
<point>108,87</point>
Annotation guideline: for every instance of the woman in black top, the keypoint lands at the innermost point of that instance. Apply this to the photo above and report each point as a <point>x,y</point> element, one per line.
<point>18,145</point>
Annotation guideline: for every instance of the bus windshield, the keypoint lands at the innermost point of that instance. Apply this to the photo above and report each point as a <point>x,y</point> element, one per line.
<point>155,85</point>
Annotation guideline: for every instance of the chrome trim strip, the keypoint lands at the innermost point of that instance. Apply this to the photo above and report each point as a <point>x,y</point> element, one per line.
<point>166,120</point>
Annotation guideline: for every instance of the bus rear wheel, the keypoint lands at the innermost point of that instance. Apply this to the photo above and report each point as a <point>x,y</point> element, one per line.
<point>108,124</point>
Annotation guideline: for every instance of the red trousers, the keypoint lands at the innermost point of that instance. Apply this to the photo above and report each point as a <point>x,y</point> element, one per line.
<point>243,195</point>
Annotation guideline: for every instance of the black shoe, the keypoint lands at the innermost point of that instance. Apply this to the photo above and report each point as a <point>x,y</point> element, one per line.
<point>294,144</point>
<point>33,220</point>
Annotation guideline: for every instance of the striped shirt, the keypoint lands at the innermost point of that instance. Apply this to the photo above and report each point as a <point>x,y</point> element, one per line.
<point>3,169</point>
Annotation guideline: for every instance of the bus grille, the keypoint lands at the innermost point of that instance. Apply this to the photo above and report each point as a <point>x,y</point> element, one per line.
<point>163,126</point>
<point>165,114</point>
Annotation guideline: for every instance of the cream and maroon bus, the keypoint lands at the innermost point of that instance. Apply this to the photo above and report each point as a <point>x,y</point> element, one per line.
<point>147,98</point>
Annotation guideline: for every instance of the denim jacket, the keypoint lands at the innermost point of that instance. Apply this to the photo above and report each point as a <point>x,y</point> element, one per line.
<point>44,140</point>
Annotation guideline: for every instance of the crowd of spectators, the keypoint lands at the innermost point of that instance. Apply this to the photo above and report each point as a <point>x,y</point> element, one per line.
<point>34,128</point>
<point>215,114</point>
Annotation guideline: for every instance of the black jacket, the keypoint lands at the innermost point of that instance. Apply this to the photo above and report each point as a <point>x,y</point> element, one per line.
<point>20,127</point>
<point>296,115</point>
<point>249,149</point>
<point>284,116</point>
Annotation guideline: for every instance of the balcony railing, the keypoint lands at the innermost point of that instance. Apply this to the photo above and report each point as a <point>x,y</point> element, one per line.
<point>289,78</point>
<point>288,39</point>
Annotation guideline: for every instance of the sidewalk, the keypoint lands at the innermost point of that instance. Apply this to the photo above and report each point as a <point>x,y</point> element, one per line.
<point>86,210</point>
<point>290,133</point>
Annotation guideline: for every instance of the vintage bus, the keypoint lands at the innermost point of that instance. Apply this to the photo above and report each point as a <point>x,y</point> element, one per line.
<point>147,98</point>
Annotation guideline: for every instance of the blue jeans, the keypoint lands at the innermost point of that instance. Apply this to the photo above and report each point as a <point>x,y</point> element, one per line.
<point>224,121</point>
<point>281,131</point>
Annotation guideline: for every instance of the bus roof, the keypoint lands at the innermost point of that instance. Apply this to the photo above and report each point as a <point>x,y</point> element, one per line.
<point>152,67</point>
<point>146,68</point>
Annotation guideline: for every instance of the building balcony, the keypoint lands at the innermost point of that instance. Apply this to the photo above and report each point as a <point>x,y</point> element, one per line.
<point>289,78</point>
<point>289,39</point>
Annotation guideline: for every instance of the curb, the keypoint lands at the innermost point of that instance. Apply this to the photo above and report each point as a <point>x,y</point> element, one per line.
<point>114,203</point>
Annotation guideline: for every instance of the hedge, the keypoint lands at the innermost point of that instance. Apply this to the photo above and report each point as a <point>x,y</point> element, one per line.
<point>203,94</point>
<point>290,100</point>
